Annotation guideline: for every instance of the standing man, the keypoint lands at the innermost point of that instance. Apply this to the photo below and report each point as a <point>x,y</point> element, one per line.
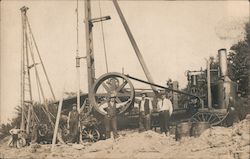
<point>145,109</point>
<point>73,121</point>
<point>14,137</point>
<point>241,106</point>
<point>232,109</point>
<point>165,110</point>
<point>111,117</point>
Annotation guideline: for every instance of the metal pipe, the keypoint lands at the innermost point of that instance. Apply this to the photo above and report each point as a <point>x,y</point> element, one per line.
<point>223,62</point>
<point>194,80</point>
<point>209,96</point>
<point>134,44</point>
<point>77,59</point>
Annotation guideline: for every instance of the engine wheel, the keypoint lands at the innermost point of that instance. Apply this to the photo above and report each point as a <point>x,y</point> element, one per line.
<point>212,118</point>
<point>21,142</point>
<point>43,130</point>
<point>90,135</point>
<point>113,83</point>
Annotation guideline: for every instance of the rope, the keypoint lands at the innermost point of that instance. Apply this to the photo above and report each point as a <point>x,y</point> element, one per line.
<point>38,90</point>
<point>37,84</point>
<point>41,61</point>
<point>36,71</point>
<point>103,38</point>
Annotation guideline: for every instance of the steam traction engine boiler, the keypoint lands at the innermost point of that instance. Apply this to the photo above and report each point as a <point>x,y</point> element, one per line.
<point>222,88</point>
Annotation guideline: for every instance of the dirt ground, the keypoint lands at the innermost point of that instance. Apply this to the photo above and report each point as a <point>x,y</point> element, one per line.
<point>214,143</point>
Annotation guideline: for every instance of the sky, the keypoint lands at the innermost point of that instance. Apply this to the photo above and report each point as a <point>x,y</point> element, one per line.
<point>173,36</point>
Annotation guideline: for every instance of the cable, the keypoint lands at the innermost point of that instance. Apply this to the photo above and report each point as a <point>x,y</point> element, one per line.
<point>77,29</point>
<point>44,70</point>
<point>103,38</point>
<point>38,90</point>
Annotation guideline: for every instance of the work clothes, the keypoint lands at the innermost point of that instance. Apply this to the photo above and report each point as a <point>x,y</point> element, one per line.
<point>73,125</point>
<point>232,116</point>
<point>164,121</point>
<point>145,108</point>
<point>165,110</point>
<point>144,122</point>
<point>111,125</point>
<point>111,109</point>
<point>110,120</point>
<point>73,116</point>
<point>241,107</point>
<point>34,134</point>
<point>165,104</point>
<point>14,137</point>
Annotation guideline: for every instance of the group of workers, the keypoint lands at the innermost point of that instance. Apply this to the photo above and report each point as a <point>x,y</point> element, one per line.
<point>163,106</point>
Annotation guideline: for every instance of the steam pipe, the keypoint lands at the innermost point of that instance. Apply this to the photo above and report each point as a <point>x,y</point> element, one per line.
<point>209,96</point>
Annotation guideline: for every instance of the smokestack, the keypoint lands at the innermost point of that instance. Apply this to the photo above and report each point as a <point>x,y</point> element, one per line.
<point>223,62</point>
<point>194,80</point>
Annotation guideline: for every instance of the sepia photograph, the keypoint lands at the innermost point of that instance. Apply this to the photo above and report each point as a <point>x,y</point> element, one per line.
<point>124,79</point>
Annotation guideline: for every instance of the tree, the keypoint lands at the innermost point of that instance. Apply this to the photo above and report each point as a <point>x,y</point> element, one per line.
<point>240,63</point>
<point>41,115</point>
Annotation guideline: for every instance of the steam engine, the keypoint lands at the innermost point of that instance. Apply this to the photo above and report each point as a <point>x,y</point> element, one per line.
<point>222,87</point>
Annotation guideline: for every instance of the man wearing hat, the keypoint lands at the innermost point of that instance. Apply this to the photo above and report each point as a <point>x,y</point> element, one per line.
<point>165,110</point>
<point>145,108</point>
<point>73,121</point>
<point>111,117</point>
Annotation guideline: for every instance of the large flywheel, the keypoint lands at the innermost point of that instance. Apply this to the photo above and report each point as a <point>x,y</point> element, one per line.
<point>117,84</point>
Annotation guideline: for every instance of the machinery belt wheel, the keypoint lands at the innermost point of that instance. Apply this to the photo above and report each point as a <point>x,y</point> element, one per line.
<point>212,118</point>
<point>113,83</point>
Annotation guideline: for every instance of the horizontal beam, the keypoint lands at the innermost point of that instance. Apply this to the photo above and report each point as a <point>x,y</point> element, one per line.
<point>94,20</point>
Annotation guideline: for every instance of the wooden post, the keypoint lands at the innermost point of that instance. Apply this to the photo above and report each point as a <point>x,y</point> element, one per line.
<point>134,44</point>
<point>24,50</point>
<point>89,50</point>
<point>57,122</point>
<point>175,95</point>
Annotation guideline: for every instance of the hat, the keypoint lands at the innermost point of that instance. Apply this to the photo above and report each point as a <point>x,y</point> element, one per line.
<point>112,95</point>
<point>73,105</point>
<point>161,92</point>
<point>143,92</point>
